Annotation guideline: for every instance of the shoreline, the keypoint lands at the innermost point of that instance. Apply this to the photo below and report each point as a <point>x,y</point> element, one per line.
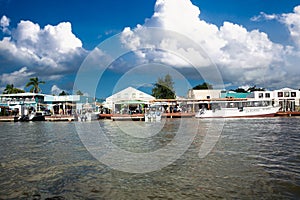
<point>134,117</point>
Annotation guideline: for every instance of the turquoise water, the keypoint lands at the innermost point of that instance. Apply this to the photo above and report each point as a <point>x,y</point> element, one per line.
<point>252,159</point>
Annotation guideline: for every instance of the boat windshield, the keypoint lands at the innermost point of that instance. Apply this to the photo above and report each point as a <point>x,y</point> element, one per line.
<point>238,104</point>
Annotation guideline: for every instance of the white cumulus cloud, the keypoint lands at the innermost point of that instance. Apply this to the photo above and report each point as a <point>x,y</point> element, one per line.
<point>50,52</point>
<point>263,16</point>
<point>243,56</point>
<point>4,23</point>
<point>55,90</point>
<point>292,21</point>
<point>18,78</point>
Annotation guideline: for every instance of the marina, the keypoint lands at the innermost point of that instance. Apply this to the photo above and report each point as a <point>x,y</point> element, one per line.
<point>149,100</point>
<point>127,105</point>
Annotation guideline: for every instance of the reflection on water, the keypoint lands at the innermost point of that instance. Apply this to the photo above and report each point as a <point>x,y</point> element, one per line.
<point>254,158</point>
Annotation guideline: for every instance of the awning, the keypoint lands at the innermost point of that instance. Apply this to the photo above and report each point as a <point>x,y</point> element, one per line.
<point>132,102</point>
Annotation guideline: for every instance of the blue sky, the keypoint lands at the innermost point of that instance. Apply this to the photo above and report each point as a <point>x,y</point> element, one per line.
<point>250,42</point>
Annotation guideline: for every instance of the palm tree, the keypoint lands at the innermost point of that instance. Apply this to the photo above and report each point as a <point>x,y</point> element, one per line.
<point>10,89</point>
<point>34,82</point>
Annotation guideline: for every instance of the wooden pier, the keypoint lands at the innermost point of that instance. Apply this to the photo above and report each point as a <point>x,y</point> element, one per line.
<point>56,118</point>
<point>287,113</point>
<point>9,118</point>
<point>178,115</point>
<point>133,117</point>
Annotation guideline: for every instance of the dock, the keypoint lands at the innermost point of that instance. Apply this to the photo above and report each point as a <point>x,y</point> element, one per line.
<point>287,113</point>
<point>8,118</point>
<point>133,117</point>
<point>105,116</point>
<point>178,115</point>
<point>56,118</point>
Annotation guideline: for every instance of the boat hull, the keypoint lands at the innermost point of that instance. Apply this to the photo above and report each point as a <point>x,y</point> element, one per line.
<point>269,111</point>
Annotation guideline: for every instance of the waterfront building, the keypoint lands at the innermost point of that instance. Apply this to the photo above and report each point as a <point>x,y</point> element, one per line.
<point>62,104</point>
<point>19,101</point>
<point>238,95</point>
<point>203,94</point>
<point>127,101</point>
<point>287,98</point>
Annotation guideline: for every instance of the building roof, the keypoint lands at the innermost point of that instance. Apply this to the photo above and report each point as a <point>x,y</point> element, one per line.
<point>235,94</point>
<point>286,89</point>
<point>129,93</point>
<point>26,94</point>
<point>51,98</point>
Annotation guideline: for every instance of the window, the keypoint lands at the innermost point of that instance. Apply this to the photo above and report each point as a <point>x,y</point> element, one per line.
<point>267,95</point>
<point>260,95</point>
<point>286,94</point>
<point>293,94</point>
<point>280,94</point>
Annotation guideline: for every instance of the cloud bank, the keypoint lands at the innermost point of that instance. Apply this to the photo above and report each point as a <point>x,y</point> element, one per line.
<point>244,57</point>
<point>49,52</point>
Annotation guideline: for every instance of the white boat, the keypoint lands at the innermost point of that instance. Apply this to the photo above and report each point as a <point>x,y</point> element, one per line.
<point>237,108</point>
<point>88,116</point>
<point>32,115</point>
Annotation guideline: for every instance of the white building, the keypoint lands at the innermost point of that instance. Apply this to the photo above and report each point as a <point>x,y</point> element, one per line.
<point>63,104</point>
<point>203,94</point>
<point>19,101</point>
<point>130,98</point>
<point>264,95</point>
<point>288,98</point>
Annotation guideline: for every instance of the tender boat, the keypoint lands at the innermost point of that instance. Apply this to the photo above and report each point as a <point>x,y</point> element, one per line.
<point>237,108</point>
<point>88,116</point>
<point>153,113</point>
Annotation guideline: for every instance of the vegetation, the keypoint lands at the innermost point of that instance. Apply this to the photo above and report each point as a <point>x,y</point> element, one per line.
<point>240,90</point>
<point>34,82</point>
<point>163,88</point>
<point>254,88</point>
<point>10,89</point>
<point>63,93</point>
<point>79,93</point>
<point>203,86</point>
<point>250,89</point>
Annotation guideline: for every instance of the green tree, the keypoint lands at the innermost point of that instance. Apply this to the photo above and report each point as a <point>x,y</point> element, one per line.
<point>10,89</point>
<point>163,88</point>
<point>203,86</point>
<point>79,93</point>
<point>34,82</point>
<point>254,88</point>
<point>63,93</point>
<point>240,90</point>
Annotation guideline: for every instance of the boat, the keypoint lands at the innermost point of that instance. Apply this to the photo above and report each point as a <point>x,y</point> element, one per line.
<point>237,108</point>
<point>30,114</point>
<point>89,112</point>
<point>153,113</point>
<point>88,116</point>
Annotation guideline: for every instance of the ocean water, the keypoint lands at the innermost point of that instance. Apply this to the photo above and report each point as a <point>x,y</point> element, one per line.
<point>255,158</point>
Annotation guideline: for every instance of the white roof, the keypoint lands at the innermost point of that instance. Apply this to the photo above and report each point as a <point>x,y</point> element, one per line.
<point>129,93</point>
<point>286,89</point>
<point>26,94</point>
<point>52,98</point>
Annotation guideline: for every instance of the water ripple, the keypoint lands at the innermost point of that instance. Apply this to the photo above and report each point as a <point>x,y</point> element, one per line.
<point>253,159</point>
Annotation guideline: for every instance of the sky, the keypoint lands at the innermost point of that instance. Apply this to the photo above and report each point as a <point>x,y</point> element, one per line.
<point>101,47</point>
